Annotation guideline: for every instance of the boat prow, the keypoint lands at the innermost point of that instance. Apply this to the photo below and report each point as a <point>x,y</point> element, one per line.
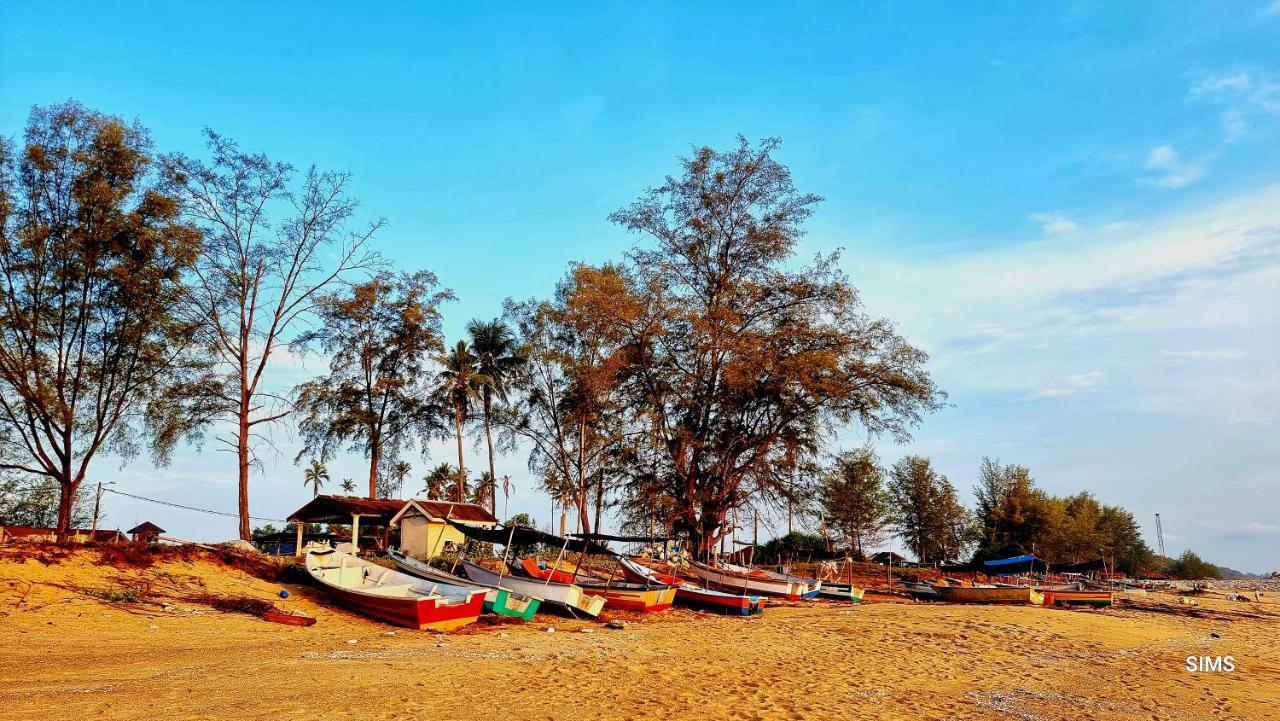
<point>391,596</point>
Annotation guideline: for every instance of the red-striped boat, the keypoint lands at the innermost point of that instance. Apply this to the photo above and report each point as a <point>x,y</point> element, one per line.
<point>391,596</point>
<point>693,595</point>
<point>617,594</point>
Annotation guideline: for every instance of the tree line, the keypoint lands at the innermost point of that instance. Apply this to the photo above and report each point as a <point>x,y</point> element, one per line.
<point>146,295</point>
<point>859,503</point>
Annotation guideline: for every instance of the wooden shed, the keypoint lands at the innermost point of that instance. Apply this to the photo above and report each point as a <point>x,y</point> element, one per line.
<point>145,532</point>
<point>369,518</point>
<point>424,532</point>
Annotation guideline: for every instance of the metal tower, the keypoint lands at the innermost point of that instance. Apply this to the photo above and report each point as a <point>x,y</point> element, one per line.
<point>1160,536</point>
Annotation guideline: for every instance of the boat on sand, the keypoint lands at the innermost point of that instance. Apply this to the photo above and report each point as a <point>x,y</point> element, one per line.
<point>392,596</point>
<point>1079,597</point>
<point>990,594</point>
<point>738,579</point>
<point>497,600</point>
<point>566,597</point>
<point>693,595</point>
<point>618,594</point>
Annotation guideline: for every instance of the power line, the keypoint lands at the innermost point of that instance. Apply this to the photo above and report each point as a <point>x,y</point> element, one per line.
<point>189,508</point>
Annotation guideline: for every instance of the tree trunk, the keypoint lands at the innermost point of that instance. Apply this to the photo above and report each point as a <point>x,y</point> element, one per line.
<point>462,471</point>
<point>488,436</point>
<point>66,502</point>
<point>599,501</point>
<point>584,520</point>
<point>375,456</point>
<point>242,457</point>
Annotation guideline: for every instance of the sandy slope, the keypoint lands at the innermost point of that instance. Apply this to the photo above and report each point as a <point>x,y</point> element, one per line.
<point>69,656</point>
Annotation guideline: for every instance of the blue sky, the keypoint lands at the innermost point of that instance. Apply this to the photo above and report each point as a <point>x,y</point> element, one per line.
<point>1074,207</point>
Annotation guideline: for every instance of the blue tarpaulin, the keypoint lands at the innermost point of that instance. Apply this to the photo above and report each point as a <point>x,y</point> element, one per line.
<point>1009,561</point>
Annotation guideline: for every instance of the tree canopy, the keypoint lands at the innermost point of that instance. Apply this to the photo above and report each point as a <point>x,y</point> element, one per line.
<point>93,342</point>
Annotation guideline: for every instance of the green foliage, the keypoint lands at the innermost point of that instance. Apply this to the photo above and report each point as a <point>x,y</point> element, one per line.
<point>1016,517</point>
<point>94,346</point>
<point>794,546</point>
<point>375,399</point>
<point>33,501</point>
<point>853,499</point>
<point>736,363</point>
<point>925,512</point>
<point>315,475</point>
<point>517,551</point>
<point>1191,567</point>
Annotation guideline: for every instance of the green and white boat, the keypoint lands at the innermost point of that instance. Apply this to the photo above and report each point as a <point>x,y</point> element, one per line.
<point>497,600</point>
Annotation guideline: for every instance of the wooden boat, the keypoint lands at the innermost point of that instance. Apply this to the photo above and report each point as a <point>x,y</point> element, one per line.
<point>566,597</point>
<point>1090,598</point>
<point>813,584</point>
<point>841,592</point>
<point>497,600</point>
<point>990,594</point>
<point>752,582</point>
<point>921,590</point>
<point>392,596</point>
<point>617,594</point>
<point>692,595</point>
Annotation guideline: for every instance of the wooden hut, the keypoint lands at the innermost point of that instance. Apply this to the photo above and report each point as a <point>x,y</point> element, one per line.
<point>369,518</point>
<point>145,532</point>
<point>425,532</point>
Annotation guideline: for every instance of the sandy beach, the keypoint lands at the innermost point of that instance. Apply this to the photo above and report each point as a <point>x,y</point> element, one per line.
<point>84,656</point>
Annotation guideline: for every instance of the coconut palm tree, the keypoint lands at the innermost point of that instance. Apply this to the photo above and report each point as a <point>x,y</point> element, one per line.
<point>399,472</point>
<point>348,486</point>
<point>315,475</point>
<point>459,384</point>
<point>497,356</point>
<point>438,481</point>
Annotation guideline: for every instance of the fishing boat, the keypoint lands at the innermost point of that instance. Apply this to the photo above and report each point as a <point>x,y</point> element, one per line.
<point>497,600</point>
<point>841,592</point>
<point>752,581</point>
<point>390,595</point>
<point>617,594</point>
<point>566,597</point>
<point>692,595</point>
<point>990,594</point>
<point>1081,597</point>
<point>921,590</point>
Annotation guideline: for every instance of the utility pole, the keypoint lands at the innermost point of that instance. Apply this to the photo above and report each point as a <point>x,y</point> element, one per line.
<point>1160,536</point>
<point>97,504</point>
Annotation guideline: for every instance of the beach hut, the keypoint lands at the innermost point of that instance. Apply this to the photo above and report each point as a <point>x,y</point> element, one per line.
<point>425,532</point>
<point>369,518</point>
<point>145,532</point>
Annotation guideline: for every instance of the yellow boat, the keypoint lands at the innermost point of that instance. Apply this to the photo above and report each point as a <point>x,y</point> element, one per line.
<point>970,594</point>
<point>1091,598</point>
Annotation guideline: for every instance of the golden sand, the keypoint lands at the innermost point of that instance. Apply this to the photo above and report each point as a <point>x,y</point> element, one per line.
<point>67,655</point>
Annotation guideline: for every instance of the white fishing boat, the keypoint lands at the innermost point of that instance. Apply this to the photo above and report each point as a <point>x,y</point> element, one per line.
<point>566,596</point>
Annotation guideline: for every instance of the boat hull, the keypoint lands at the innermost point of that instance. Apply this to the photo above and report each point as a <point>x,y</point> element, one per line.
<point>965,594</point>
<point>688,594</point>
<point>841,592</point>
<point>564,596</point>
<point>405,601</point>
<point>650,599</point>
<point>1085,598</point>
<point>498,600</point>
<point>743,583</point>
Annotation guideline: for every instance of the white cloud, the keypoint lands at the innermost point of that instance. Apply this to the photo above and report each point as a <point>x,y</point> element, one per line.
<point>1201,354</point>
<point>1247,98</point>
<point>1155,308</point>
<point>1054,223</point>
<point>1170,171</point>
<point>1072,384</point>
